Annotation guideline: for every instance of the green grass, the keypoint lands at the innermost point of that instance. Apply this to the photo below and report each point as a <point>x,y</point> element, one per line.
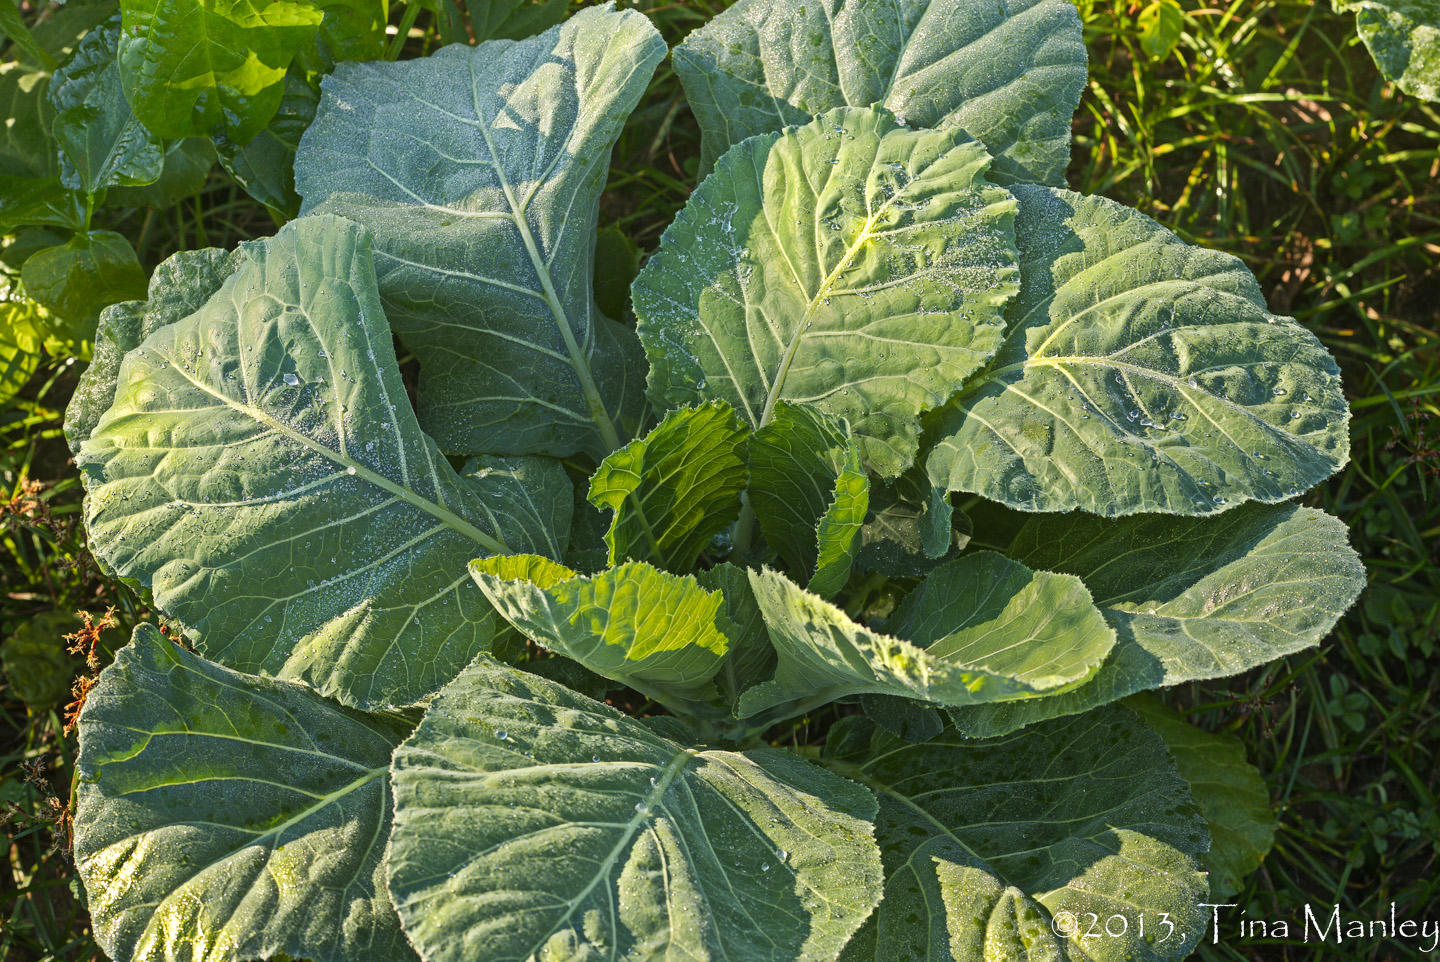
<point>1266,132</point>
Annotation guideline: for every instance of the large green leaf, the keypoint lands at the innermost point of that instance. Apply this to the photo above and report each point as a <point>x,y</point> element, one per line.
<point>750,658</point>
<point>1139,373</point>
<point>849,263</point>
<point>76,280</point>
<point>809,493</point>
<point>1227,789</point>
<point>996,631</point>
<point>101,142</point>
<point>673,490</point>
<point>180,285</point>
<point>265,166</point>
<point>534,823</point>
<point>1189,598</point>
<point>30,188</point>
<point>224,816</point>
<point>997,851</point>
<point>1009,74</point>
<point>659,633</point>
<point>20,339</point>
<point>910,527</point>
<point>210,66</point>
<point>1404,38</point>
<point>261,471</point>
<point>479,169</point>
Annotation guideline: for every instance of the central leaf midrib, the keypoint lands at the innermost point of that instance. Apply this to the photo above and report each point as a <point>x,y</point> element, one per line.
<point>662,784</point>
<point>439,512</point>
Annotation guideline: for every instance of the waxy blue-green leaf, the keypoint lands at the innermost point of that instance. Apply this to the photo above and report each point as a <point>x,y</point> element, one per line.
<point>1189,598</point>
<point>206,67</point>
<point>1139,373</point>
<point>480,169</point>
<point>261,471</point>
<point>180,285</point>
<point>997,851</point>
<point>224,816</point>
<point>101,142</point>
<point>1404,38</point>
<point>78,279</point>
<point>809,492</point>
<point>659,633</point>
<point>1009,74</point>
<point>850,263</point>
<point>995,631</point>
<point>527,501</point>
<point>1227,789</point>
<point>673,490</point>
<point>534,823</point>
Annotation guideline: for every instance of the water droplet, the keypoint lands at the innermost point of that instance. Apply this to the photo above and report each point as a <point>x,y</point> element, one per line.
<point>291,378</point>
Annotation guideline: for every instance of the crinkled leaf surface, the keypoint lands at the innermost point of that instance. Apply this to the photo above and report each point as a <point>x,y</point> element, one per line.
<point>673,490</point>
<point>659,633</point>
<point>526,500</point>
<point>1227,789</point>
<point>850,263</point>
<point>101,142</point>
<point>1009,74</point>
<point>534,823</point>
<point>210,66</point>
<point>261,471</point>
<point>997,631</point>
<point>1404,38</point>
<point>1139,373</point>
<point>1189,598</point>
<point>479,169</point>
<point>180,285</point>
<point>987,844</point>
<point>226,816</point>
<point>809,493</point>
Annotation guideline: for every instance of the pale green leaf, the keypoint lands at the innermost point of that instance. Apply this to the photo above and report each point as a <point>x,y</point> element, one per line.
<point>1009,74</point>
<point>1139,373</point>
<point>659,633</point>
<point>1404,38</point>
<point>996,631</point>
<point>20,339</point>
<point>261,471</point>
<point>223,816</point>
<point>210,66</point>
<point>673,490</point>
<point>1162,24</point>
<point>996,851</point>
<point>809,493</point>
<point>1189,598</point>
<point>101,142</point>
<point>850,263</point>
<point>534,823</point>
<point>75,281</point>
<point>1227,789</point>
<point>480,169</point>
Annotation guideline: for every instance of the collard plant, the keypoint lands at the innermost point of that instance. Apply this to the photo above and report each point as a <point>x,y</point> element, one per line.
<point>789,621</point>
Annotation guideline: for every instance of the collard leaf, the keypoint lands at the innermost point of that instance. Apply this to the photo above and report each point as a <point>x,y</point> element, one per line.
<point>749,659</point>
<point>534,823</point>
<point>526,500</point>
<point>659,633</point>
<point>809,492</point>
<point>265,166</point>
<point>996,631</point>
<point>261,471</point>
<point>479,169</point>
<point>673,490</point>
<point>1404,38</point>
<point>1139,373</point>
<point>101,142</point>
<point>1226,788</point>
<point>850,263</point>
<point>910,527</point>
<point>77,280</point>
<point>1009,74</point>
<point>229,816</point>
<point>1189,598</point>
<point>20,340</point>
<point>206,67</point>
<point>999,849</point>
